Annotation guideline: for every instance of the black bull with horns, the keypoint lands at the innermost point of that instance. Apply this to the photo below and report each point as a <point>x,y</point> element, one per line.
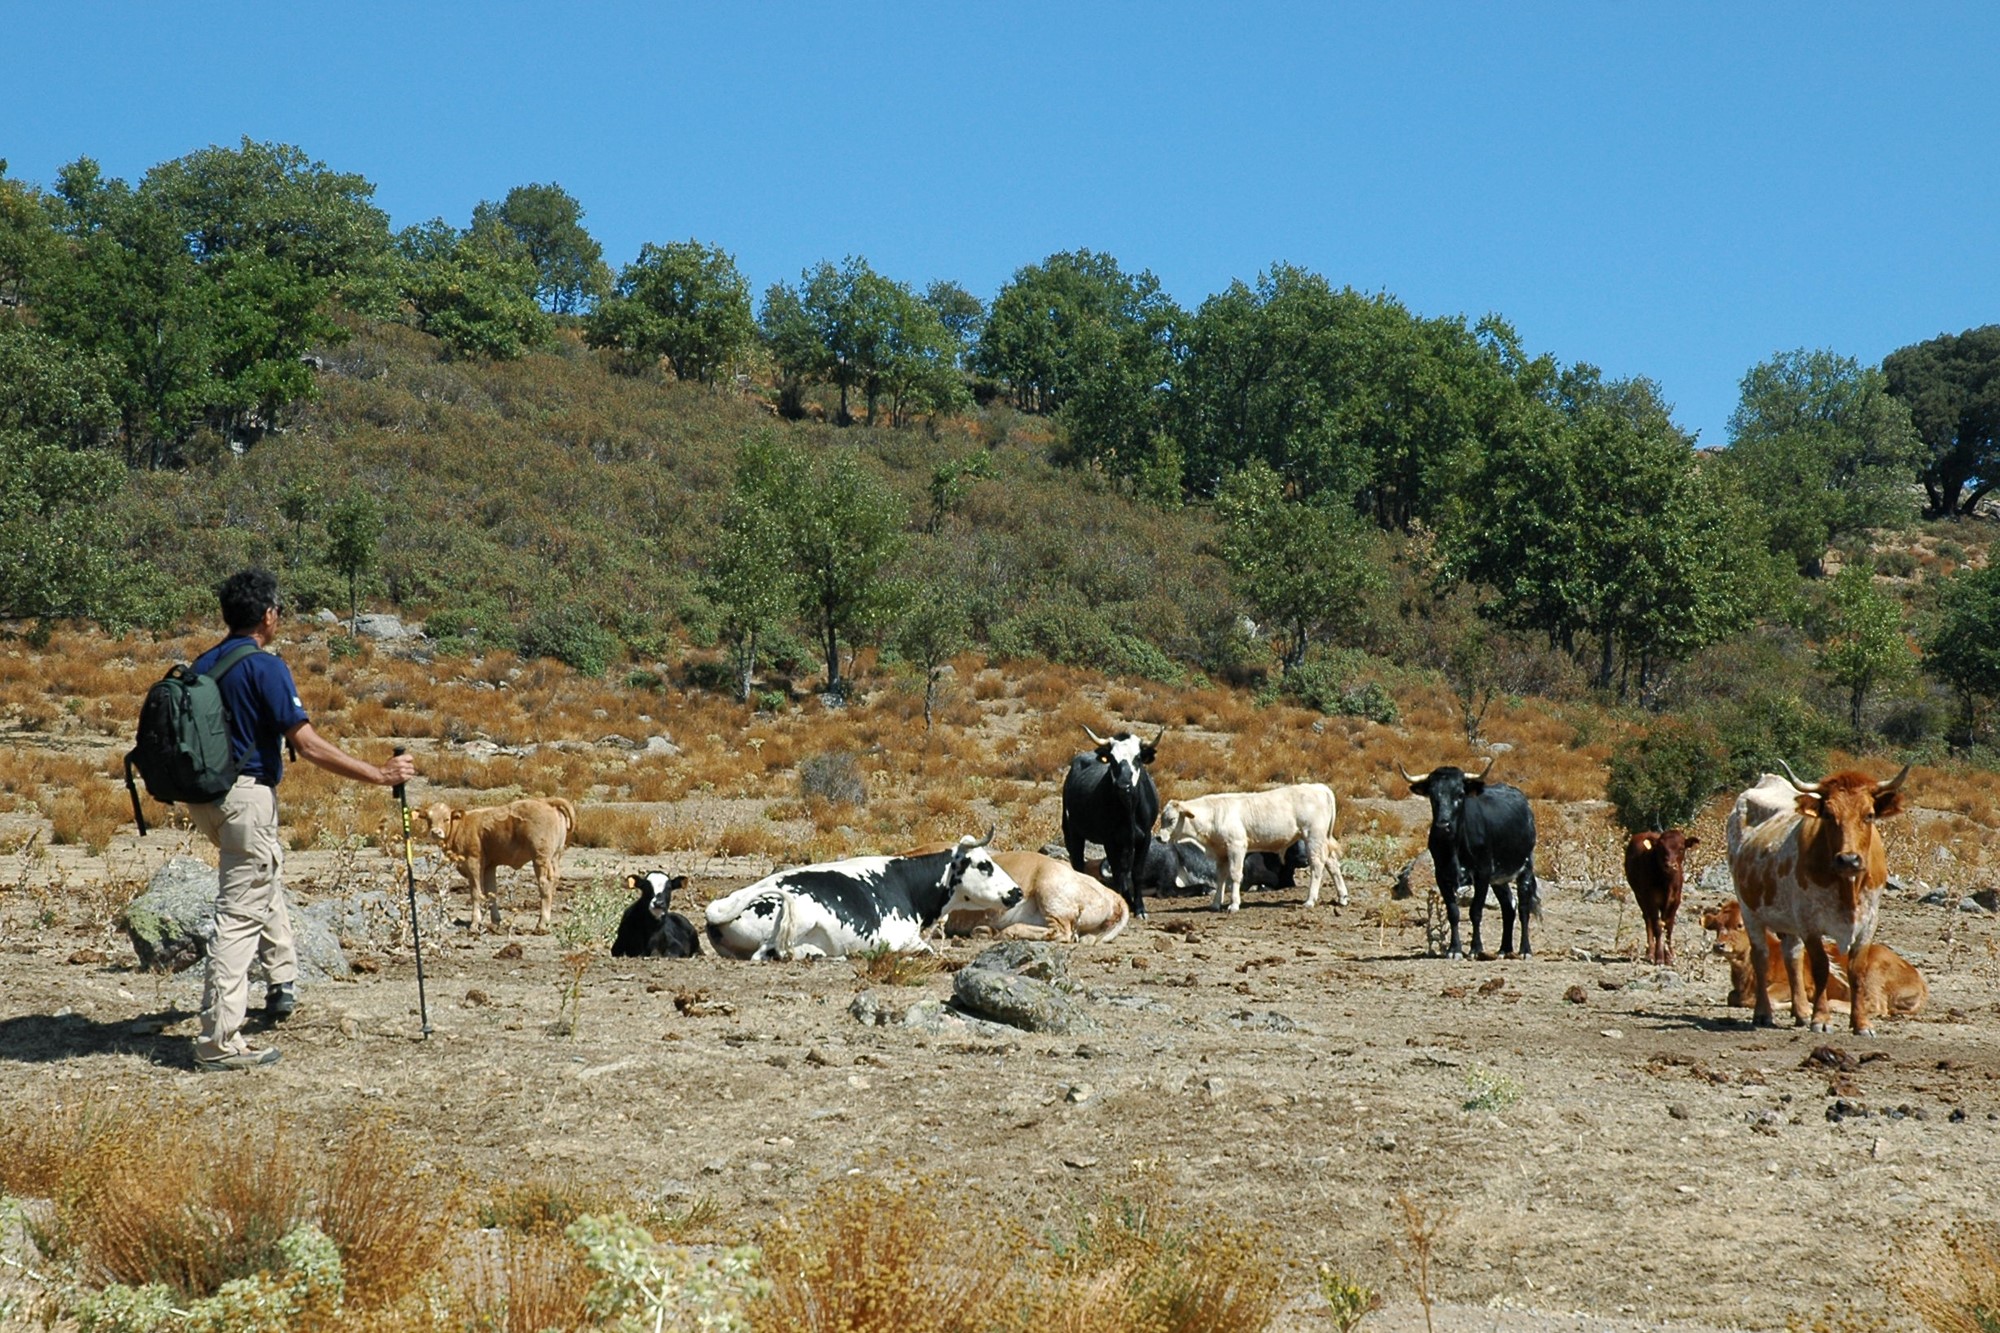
<point>1108,798</point>
<point>1481,833</point>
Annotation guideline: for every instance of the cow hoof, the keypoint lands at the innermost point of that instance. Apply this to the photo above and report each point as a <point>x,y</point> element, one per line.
<point>1864,1032</point>
<point>1821,1027</point>
<point>1764,1021</point>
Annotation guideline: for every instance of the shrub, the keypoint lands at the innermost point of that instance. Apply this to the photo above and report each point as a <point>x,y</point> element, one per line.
<point>833,777</point>
<point>1324,684</point>
<point>1768,725</point>
<point>570,635</point>
<point>1662,777</point>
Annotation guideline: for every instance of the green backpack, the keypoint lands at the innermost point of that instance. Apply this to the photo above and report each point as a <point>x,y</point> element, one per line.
<point>183,751</point>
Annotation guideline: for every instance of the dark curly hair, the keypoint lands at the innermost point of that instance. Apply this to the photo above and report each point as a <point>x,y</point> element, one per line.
<point>245,596</point>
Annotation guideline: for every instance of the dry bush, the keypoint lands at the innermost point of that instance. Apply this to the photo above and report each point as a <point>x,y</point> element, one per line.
<point>88,814</point>
<point>750,840</point>
<point>519,1282</point>
<point>388,1219</point>
<point>864,1257</point>
<point>633,831</point>
<point>545,1205</point>
<point>1954,1285</point>
<point>1183,1274</point>
<point>161,1198</point>
<point>883,966</point>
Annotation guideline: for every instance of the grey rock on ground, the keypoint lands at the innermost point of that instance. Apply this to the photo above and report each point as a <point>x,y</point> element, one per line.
<point>1022,984</point>
<point>173,921</point>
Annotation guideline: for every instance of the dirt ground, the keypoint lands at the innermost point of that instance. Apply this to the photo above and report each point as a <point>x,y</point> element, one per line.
<point>1639,1159</point>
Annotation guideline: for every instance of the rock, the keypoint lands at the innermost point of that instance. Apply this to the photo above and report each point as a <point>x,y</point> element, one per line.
<point>1268,1021</point>
<point>661,745</point>
<point>616,742</point>
<point>324,616</point>
<point>937,1019</point>
<point>386,628</point>
<point>1717,879</point>
<point>172,922</point>
<point>374,916</point>
<point>1020,983</point>
<point>876,1008</point>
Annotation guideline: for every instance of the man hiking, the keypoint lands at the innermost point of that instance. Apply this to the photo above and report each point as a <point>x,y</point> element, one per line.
<point>251,917</point>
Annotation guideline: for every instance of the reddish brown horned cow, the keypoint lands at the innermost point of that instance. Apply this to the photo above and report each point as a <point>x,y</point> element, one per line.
<point>1813,874</point>
<point>1654,862</point>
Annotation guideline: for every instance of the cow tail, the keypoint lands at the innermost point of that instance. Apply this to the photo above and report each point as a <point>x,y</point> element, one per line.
<point>568,812</point>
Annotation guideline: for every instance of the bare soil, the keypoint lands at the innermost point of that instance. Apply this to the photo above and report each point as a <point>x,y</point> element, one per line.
<point>1613,1148</point>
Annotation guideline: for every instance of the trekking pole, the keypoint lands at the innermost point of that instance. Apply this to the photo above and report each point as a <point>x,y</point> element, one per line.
<point>416,935</point>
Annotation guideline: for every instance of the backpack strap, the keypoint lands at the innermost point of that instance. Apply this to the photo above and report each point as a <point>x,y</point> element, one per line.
<point>138,815</point>
<point>228,663</point>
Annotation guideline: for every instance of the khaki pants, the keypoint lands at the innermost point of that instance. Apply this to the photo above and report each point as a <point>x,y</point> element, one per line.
<point>251,917</point>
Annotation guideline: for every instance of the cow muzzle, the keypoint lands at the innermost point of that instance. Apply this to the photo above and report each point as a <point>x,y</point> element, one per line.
<point>1848,863</point>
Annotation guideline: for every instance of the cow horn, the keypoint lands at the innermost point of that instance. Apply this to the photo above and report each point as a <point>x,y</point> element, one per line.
<point>1093,735</point>
<point>1884,788</point>
<point>1156,739</point>
<point>1793,778</point>
<point>1491,760</point>
<point>1412,778</point>
<point>988,838</point>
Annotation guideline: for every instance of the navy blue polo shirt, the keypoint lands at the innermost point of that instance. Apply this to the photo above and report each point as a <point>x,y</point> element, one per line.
<point>263,703</point>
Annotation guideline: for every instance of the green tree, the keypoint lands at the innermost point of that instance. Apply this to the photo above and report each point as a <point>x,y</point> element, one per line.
<point>1824,450</point>
<point>272,200</point>
<point>28,241</point>
<point>684,301</point>
<point>916,367</point>
<point>1344,395</point>
<point>1863,645</point>
<point>749,578</point>
<point>1076,335</point>
<point>1664,776</point>
<point>1952,386</point>
<point>951,483</point>
<point>129,290</point>
<point>961,313</point>
<point>353,530</point>
<point>933,629</point>
<point>58,547</point>
<point>842,532</point>
<point>1594,522</point>
<point>1303,568</point>
<point>547,222</point>
<point>475,292</point>
<point>1963,647</point>
<point>836,327</point>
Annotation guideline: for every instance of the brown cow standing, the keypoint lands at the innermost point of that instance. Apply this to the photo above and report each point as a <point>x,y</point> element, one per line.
<point>478,842</point>
<point>1811,875</point>
<point>1653,867</point>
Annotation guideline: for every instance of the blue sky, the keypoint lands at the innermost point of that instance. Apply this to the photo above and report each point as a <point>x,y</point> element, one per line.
<point>1676,191</point>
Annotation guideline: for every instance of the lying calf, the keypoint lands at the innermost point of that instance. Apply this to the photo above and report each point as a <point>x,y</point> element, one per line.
<point>1057,903</point>
<point>648,929</point>
<point>1889,983</point>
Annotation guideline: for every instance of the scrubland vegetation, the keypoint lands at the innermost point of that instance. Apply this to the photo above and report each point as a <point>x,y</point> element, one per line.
<point>869,559</point>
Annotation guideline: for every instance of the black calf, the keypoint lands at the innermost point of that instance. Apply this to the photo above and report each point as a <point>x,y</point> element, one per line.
<point>648,929</point>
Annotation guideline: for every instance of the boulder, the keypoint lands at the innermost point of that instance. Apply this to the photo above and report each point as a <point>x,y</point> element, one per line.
<point>386,628</point>
<point>1022,984</point>
<point>173,921</point>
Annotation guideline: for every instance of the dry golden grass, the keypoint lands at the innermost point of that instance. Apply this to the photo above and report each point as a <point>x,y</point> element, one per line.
<point>862,1257</point>
<point>149,1192</point>
<point>1955,1285</point>
<point>886,967</point>
<point>634,831</point>
<point>389,1219</point>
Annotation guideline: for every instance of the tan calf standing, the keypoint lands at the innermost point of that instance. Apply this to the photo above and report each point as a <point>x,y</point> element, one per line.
<point>479,842</point>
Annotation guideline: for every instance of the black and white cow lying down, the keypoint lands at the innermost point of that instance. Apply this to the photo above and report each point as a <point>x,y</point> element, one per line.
<point>838,908</point>
<point>649,929</point>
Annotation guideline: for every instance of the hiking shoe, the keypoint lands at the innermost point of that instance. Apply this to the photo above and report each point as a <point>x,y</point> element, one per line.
<point>248,1058</point>
<point>279,1002</point>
